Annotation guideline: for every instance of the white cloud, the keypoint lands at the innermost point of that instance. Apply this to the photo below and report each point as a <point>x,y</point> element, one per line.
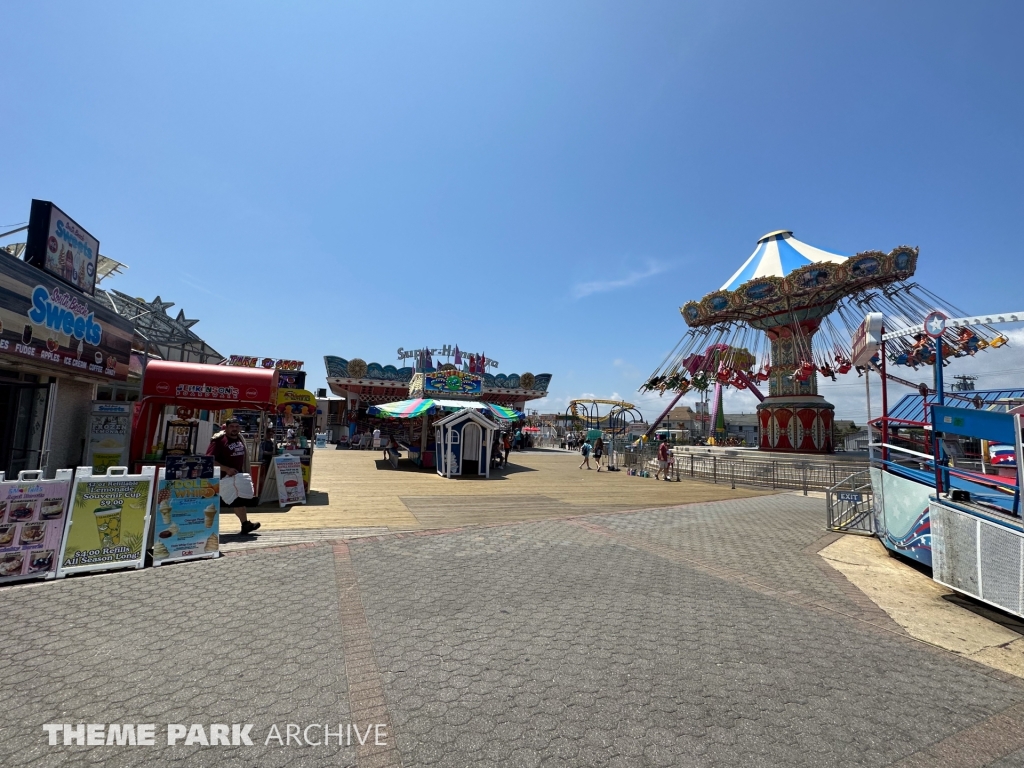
<point>580,290</point>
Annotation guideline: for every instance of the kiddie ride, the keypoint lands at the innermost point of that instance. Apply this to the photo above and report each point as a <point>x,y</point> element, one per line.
<point>586,416</point>
<point>963,523</point>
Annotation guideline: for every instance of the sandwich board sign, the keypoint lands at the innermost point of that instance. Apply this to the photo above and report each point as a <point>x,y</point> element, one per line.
<point>284,481</point>
<point>187,519</point>
<point>107,526</point>
<point>32,513</point>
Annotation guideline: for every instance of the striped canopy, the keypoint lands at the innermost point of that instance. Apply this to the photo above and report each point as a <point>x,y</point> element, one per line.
<point>403,409</point>
<point>778,254</point>
<point>503,413</point>
<point>419,406</point>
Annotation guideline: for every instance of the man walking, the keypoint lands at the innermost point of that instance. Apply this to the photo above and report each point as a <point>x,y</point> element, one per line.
<point>663,460</point>
<point>228,451</point>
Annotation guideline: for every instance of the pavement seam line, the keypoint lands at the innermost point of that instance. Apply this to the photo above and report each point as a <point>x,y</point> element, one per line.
<point>975,746</point>
<point>365,688</point>
<point>729,574</point>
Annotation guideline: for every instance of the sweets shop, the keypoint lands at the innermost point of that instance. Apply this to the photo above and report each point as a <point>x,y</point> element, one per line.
<point>405,401</point>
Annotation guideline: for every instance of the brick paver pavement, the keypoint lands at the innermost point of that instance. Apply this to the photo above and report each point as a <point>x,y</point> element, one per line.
<point>704,635</point>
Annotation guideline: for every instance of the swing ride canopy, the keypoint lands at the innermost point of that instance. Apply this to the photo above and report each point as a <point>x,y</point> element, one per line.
<point>777,255</point>
<point>814,296</point>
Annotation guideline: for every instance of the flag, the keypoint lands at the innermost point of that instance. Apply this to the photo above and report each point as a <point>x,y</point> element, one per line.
<point>458,357</point>
<point>472,363</point>
<point>483,364</point>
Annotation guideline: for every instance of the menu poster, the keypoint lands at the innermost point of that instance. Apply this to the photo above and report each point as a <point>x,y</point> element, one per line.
<point>284,479</point>
<point>109,428</point>
<point>187,525</point>
<point>109,521</point>
<point>32,513</point>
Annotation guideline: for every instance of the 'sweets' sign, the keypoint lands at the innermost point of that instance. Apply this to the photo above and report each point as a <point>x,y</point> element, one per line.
<point>61,312</point>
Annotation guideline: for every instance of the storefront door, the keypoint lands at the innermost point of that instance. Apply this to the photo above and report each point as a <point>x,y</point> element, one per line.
<point>22,424</point>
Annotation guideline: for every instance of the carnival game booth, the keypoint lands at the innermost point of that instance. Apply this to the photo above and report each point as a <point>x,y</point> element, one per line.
<point>183,402</point>
<point>463,440</point>
<point>363,385</point>
<point>436,394</point>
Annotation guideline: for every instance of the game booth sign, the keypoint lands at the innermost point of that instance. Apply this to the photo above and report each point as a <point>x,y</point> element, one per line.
<point>193,388</point>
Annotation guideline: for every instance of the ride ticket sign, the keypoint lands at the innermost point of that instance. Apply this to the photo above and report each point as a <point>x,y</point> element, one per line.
<point>186,525</point>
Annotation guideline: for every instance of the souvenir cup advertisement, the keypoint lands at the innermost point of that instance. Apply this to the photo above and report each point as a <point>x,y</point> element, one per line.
<point>109,521</point>
<point>32,513</point>
<point>186,525</point>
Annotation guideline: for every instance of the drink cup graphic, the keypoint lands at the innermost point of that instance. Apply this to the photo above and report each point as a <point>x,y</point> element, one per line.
<point>210,513</point>
<point>108,525</point>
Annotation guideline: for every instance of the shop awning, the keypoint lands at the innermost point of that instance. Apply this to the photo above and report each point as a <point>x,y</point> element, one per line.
<point>212,387</point>
<point>418,406</point>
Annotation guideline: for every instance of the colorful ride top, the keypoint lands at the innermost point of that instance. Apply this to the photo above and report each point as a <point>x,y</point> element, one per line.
<point>785,316</point>
<point>364,384</point>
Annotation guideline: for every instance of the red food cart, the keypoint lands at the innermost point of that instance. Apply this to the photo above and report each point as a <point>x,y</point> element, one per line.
<point>193,388</point>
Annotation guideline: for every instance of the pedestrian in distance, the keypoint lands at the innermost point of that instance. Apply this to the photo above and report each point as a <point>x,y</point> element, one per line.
<point>598,452</point>
<point>585,450</point>
<point>506,444</point>
<point>228,451</point>
<point>663,460</point>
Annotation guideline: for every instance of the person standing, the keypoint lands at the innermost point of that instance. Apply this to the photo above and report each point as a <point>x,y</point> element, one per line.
<point>663,458</point>
<point>228,451</point>
<point>268,449</point>
<point>598,452</point>
<point>506,444</point>
<point>585,450</point>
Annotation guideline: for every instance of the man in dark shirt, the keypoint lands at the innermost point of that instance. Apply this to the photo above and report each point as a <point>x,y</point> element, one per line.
<point>228,451</point>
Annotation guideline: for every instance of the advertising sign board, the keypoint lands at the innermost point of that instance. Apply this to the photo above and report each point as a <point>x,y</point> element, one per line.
<point>109,430</point>
<point>452,383</point>
<point>32,513</point>
<point>58,244</point>
<point>285,481</point>
<point>186,526</point>
<point>43,321</point>
<point>108,525</point>
<point>867,338</point>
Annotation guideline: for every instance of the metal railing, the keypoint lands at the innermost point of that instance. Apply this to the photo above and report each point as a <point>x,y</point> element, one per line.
<point>850,505</point>
<point>796,474</point>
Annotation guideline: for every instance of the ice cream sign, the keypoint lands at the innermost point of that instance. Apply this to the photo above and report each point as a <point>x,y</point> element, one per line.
<point>63,313</point>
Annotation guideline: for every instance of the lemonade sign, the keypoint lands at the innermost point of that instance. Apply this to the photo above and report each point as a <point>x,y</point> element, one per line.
<point>109,521</point>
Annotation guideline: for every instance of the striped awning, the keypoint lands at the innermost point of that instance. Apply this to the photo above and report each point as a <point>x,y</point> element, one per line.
<point>410,409</point>
<point>777,254</point>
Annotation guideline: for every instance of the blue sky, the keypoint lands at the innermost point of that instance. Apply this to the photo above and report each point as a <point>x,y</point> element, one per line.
<point>546,182</point>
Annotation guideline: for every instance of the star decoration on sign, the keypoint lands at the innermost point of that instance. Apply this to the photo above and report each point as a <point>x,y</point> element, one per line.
<point>159,305</point>
<point>936,325</point>
<point>183,320</point>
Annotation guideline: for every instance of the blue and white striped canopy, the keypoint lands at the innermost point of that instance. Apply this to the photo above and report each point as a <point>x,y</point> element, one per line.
<point>778,254</point>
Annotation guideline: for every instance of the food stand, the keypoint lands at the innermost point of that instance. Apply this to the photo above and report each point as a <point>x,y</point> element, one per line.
<point>297,408</point>
<point>197,394</point>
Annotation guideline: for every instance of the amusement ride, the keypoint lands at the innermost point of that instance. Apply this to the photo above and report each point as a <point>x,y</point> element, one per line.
<point>787,316</point>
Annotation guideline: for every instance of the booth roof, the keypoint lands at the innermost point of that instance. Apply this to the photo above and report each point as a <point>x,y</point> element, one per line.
<point>209,386</point>
<point>464,413</point>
